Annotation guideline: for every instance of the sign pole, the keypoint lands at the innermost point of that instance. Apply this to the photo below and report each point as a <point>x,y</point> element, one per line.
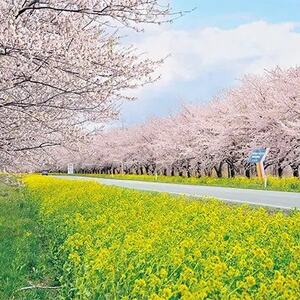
<point>263,168</point>
<point>259,171</point>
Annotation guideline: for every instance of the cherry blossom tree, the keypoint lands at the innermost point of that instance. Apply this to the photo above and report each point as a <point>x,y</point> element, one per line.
<point>272,114</point>
<point>63,67</point>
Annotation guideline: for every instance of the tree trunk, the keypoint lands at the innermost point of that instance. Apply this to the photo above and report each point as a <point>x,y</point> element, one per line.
<point>172,171</point>
<point>248,173</point>
<point>207,172</point>
<point>231,171</point>
<point>188,173</point>
<point>280,171</point>
<point>218,170</point>
<point>295,171</point>
<point>147,169</point>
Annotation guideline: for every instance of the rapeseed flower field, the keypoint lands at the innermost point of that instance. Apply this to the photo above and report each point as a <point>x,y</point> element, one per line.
<point>113,243</point>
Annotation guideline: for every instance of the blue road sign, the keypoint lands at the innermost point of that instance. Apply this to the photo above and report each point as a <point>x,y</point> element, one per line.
<point>257,155</point>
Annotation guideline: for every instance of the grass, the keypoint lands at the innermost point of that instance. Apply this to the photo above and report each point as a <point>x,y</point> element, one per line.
<point>22,260</point>
<point>287,184</point>
<point>115,243</point>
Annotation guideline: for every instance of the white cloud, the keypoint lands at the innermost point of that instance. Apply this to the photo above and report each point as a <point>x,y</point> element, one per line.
<point>250,47</point>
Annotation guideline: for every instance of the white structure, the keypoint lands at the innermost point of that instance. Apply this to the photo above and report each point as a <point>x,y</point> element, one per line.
<point>70,169</point>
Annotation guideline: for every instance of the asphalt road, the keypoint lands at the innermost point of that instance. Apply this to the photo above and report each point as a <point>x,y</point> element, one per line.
<point>283,200</point>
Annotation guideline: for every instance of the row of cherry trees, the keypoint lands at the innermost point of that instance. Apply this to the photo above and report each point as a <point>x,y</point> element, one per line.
<point>211,139</point>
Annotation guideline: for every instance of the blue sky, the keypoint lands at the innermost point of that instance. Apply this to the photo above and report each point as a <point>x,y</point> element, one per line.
<point>230,13</point>
<point>211,48</point>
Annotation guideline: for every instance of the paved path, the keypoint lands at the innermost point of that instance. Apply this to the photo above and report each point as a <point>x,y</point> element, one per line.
<point>283,200</point>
